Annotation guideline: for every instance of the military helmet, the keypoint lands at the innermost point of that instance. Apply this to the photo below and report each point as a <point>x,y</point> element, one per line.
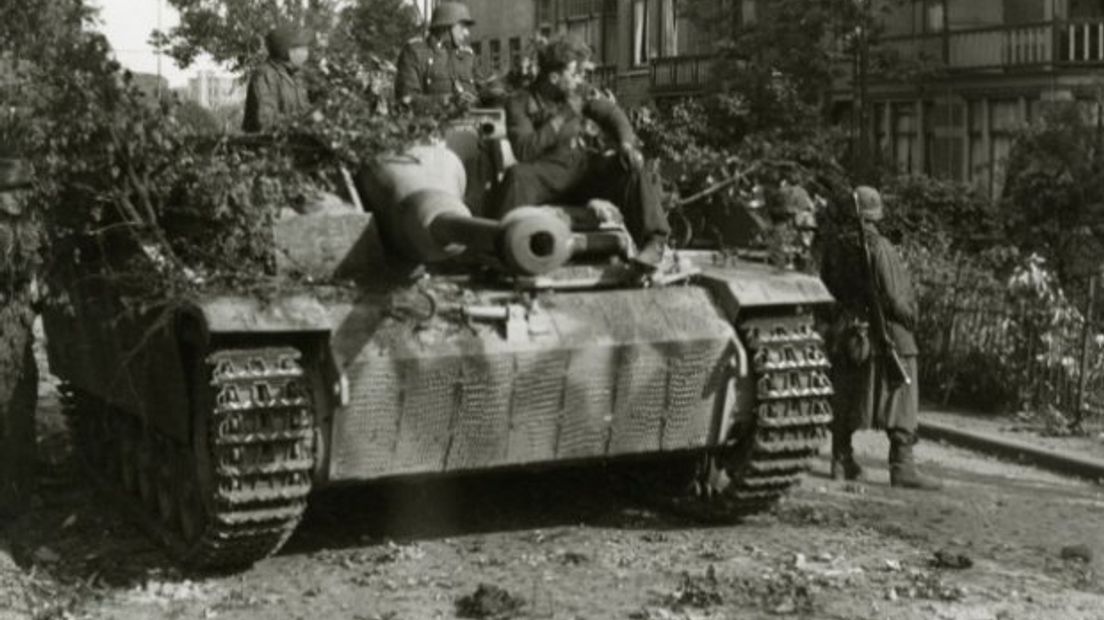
<point>283,39</point>
<point>448,14</point>
<point>870,203</point>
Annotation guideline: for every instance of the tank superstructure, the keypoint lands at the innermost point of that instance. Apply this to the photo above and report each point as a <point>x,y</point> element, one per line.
<point>470,344</point>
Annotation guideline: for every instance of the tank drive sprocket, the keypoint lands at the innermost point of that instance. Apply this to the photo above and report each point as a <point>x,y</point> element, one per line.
<point>236,491</point>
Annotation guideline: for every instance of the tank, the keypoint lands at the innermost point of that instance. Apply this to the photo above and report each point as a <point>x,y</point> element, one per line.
<point>466,345</point>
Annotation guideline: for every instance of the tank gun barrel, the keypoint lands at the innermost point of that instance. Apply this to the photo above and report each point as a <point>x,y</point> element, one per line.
<point>416,197</point>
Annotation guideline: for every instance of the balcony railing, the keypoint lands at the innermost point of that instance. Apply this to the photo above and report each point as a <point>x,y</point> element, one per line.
<point>681,74</point>
<point>1021,46</point>
<point>604,76</point>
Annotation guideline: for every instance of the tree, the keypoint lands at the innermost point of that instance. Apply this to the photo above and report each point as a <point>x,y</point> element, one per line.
<point>784,63</point>
<point>233,31</point>
<point>1054,191</point>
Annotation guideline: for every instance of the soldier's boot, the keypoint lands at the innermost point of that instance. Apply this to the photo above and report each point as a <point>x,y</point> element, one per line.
<point>844,466</point>
<point>902,464</point>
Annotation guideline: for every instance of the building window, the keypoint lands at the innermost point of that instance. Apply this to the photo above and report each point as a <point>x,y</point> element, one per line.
<point>515,51</point>
<point>496,54</point>
<point>477,51</point>
<point>640,32</point>
<point>668,23</point>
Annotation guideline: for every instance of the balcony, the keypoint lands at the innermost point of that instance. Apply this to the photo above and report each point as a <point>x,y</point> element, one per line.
<point>604,77</point>
<point>681,75</point>
<point>1043,45</point>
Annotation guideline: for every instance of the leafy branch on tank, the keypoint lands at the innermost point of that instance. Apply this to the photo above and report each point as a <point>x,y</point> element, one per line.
<point>197,209</point>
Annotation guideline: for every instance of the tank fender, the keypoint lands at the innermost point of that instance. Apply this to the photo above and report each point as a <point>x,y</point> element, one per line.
<point>238,314</point>
<point>755,286</point>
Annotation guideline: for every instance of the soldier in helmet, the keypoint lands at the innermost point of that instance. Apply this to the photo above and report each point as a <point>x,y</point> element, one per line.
<point>440,67</point>
<point>864,396</point>
<point>277,91</point>
<point>546,125</point>
<point>18,373</point>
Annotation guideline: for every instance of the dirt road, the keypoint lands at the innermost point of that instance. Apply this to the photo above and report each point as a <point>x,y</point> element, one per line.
<point>560,545</point>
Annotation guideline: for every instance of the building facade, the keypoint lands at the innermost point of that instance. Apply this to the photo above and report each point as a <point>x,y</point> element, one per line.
<point>643,48</point>
<point>214,90</point>
<point>995,66</point>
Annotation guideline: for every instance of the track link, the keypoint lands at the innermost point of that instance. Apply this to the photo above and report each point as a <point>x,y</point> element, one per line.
<point>793,412</point>
<point>767,456</point>
<point>234,494</point>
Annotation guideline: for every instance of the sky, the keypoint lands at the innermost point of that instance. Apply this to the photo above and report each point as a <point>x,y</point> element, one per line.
<point>128,24</point>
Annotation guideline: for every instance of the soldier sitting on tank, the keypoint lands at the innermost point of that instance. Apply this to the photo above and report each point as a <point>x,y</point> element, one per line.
<point>276,89</point>
<point>546,125</point>
<point>439,68</point>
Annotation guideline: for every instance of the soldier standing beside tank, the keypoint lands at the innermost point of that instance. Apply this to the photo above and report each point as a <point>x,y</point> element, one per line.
<point>18,373</point>
<point>277,91</point>
<point>545,125</point>
<point>439,68</point>
<point>865,398</point>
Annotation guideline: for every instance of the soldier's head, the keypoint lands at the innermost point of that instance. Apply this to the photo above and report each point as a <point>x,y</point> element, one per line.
<point>563,64</point>
<point>289,44</point>
<point>452,20</point>
<point>871,207</point>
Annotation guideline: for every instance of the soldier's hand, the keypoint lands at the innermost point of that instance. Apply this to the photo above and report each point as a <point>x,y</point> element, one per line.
<point>466,99</point>
<point>575,101</point>
<point>631,156</point>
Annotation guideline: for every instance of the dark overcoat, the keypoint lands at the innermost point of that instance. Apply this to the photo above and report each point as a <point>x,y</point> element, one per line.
<point>863,398</point>
<point>276,93</point>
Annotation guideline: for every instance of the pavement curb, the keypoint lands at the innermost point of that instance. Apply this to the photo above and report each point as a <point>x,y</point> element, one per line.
<point>1062,462</point>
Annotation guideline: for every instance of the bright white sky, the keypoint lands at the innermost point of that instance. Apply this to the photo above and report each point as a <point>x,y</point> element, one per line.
<point>128,24</point>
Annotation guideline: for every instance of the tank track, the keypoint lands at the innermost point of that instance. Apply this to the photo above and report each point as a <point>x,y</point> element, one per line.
<point>235,494</point>
<point>767,455</point>
<point>793,412</point>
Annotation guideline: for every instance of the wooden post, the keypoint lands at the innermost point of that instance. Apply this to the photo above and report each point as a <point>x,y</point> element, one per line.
<point>1083,367</point>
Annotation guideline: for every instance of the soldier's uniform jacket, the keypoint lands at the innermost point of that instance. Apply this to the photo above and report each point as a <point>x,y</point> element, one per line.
<point>533,135</point>
<point>276,92</point>
<point>842,272</point>
<point>430,71</point>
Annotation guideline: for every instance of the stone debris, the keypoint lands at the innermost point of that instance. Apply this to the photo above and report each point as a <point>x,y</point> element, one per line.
<point>489,602</point>
<point>1077,552</point>
<point>945,558</point>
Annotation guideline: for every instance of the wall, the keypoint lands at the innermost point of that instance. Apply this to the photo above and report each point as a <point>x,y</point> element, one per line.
<point>502,21</point>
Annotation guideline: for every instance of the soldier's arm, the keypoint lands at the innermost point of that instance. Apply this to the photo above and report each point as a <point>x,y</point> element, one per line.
<point>528,142</point>
<point>611,118</point>
<point>893,284</point>
<point>408,82</point>
<point>263,89</point>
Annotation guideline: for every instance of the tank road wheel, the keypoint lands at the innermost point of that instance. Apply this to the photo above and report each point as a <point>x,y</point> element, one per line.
<point>793,412</point>
<point>767,455</point>
<point>243,484</point>
<point>236,491</point>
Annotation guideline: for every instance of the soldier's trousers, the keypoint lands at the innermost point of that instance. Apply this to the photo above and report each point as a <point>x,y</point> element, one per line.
<point>18,395</point>
<point>585,176</point>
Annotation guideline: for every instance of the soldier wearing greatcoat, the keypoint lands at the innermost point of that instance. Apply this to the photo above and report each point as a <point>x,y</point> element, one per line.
<point>864,397</point>
<point>277,91</point>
